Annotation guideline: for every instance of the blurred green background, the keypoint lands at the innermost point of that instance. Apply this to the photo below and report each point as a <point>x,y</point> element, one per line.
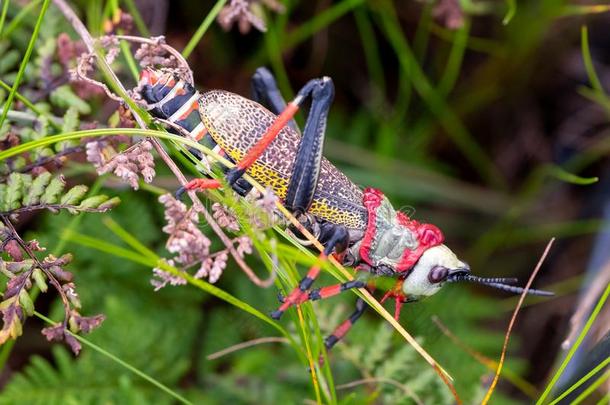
<point>486,118</point>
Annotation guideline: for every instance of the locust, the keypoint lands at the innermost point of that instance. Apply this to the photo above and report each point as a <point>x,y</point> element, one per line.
<point>358,226</point>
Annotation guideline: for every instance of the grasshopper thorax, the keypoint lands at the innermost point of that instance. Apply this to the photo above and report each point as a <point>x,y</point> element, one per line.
<point>391,238</point>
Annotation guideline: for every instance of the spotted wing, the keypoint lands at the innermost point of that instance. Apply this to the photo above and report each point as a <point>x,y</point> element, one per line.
<point>237,123</point>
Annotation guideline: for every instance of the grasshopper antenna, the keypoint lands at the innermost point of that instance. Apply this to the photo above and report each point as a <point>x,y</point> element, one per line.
<point>498,283</point>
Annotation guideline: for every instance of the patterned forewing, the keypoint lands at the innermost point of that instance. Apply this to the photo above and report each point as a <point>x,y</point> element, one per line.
<point>237,123</point>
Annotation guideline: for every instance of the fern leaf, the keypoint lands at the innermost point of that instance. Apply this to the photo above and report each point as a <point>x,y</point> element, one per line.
<point>13,192</point>
<point>74,195</point>
<point>53,190</point>
<point>37,189</point>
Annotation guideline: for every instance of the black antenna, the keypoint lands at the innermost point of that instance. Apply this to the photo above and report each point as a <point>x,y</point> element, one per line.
<point>519,290</point>
<point>480,280</point>
<point>498,282</point>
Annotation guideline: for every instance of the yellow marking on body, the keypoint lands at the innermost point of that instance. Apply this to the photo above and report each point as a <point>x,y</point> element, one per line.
<point>279,184</point>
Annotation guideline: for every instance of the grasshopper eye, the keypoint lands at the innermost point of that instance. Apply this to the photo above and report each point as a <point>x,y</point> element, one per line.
<point>437,274</point>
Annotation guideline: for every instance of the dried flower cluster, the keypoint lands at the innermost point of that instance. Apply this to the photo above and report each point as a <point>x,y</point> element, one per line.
<point>24,271</point>
<point>154,52</point>
<point>192,247</point>
<point>247,14</point>
<point>129,165</point>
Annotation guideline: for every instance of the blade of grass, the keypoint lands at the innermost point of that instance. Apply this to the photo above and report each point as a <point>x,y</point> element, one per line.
<point>31,106</point>
<point>205,24</point>
<point>561,174</point>
<point>575,346</point>
<point>370,48</point>
<point>318,22</point>
<point>128,238</point>
<point>511,10</point>
<point>272,45</point>
<point>24,62</point>
<point>103,246</point>
<point>137,17</point>
<point>582,9</point>
<point>582,380</point>
<point>592,388</point>
<point>16,21</point>
<point>588,61</point>
<point>5,4</point>
<point>117,360</point>
<point>309,28</point>
<point>454,62</point>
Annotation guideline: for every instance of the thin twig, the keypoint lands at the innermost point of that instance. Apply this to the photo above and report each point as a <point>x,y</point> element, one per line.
<point>52,207</point>
<point>244,345</point>
<point>512,322</point>
<point>526,387</point>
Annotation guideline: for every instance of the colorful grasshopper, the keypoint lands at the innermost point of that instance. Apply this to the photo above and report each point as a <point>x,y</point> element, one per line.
<point>359,226</point>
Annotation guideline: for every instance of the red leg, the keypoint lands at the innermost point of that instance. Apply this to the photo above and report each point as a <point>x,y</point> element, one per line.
<point>342,329</point>
<point>332,290</point>
<point>299,294</point>
<point>334,236</point>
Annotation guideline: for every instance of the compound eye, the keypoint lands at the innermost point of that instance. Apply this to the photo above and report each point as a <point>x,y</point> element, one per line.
<point>437,274</point>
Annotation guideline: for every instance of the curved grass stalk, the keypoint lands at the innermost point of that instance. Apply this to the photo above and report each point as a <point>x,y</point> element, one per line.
<point>575,346</point>
<point>24,62</point>
<point>205,24</point>
<point>581,381</point>
<point>117,360</point>
<point>3,15</point>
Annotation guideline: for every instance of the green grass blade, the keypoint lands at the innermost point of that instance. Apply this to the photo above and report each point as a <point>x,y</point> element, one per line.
<point>565,176</point>
<point>117,360</point>
<point>370,48</point>
<point>32,107</point>
<point>207,21</point>
<point>319,22</point>
<point>511,6</point>
<point>5,4</point>
<point>16,21</point>
<point>24,62</point>
<point>591,73</point>
<point>309,28</point>
<point>584,379</point>
<point>118,251</point>
<point>272,45</point>
<point>582,9</point>
<point>128,238</point>
<point>129,59</point>
<point>592,388</point>
<point>454,62</point>
<point>575,346</point>
<point>137,17</point>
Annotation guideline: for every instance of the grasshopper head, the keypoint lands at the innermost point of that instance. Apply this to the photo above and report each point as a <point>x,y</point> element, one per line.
<point>435,266</point>
<point>439,265</point>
